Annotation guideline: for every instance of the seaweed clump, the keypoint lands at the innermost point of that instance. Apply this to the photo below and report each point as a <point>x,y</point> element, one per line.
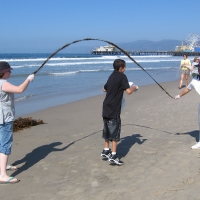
<point>23,123</point>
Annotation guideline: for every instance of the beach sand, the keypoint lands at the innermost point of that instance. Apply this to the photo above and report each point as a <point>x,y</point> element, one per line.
<point>61,159</point>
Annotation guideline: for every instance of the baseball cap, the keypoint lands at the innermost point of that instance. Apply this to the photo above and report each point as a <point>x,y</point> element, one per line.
<point>4,67</point>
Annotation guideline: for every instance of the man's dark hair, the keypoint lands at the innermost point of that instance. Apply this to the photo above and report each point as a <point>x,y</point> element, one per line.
<point>119,63</point>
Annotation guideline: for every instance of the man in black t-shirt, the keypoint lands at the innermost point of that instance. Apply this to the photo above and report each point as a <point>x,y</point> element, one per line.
<point>116,84</point>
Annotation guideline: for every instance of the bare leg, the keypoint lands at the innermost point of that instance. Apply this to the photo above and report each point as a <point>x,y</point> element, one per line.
<point>186,79</point>
<point>181,80</point>
<point>114,146</point>
<point>106,144</point>
<point>3,165</point>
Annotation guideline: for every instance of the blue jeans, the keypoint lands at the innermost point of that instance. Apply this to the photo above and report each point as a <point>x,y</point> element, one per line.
<point>6,137</point>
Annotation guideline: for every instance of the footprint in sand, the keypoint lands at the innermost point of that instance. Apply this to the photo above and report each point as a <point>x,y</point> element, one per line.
<point>189,181</point>
<point>36,179</point>
<point>150,151</point>
<point>94,183</point>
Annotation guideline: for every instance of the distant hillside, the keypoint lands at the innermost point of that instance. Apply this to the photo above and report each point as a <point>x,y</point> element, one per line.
<point>147,45</point>
<point>139,45</point>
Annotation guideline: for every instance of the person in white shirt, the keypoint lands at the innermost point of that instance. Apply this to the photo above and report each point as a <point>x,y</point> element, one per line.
<point>195,83</point>
<point>194,69</point>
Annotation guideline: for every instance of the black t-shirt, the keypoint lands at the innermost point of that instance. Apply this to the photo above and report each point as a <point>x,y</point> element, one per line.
<point>116,85</point>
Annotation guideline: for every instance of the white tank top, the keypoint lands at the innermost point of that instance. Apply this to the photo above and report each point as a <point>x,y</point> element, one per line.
<point>7,108</point>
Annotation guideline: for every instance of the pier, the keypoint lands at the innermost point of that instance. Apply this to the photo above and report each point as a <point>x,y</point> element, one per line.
<point>142,53</point>
<point>172,53</point>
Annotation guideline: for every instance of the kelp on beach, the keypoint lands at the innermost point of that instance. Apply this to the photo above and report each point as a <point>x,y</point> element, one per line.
<point>22,123</point>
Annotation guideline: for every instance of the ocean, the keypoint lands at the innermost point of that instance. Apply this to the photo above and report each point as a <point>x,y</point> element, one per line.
<point>70,77</point>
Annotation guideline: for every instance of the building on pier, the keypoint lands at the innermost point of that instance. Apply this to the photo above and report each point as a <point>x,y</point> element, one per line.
<point>106,50</point>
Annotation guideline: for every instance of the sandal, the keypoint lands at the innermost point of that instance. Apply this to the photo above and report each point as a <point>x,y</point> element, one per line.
<point>9,181</point>
<point>11,168</point>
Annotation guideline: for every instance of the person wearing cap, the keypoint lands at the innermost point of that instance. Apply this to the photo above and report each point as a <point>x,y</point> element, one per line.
<point>7,115</point>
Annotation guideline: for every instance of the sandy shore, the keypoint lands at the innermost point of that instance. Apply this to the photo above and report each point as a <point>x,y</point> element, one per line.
<point>61,159</point>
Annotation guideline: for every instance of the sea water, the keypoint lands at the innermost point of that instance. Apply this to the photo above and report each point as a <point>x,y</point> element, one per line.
<point>70,77</point>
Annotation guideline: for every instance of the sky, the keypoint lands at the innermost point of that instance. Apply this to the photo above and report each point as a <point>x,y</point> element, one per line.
<point>43,26</point>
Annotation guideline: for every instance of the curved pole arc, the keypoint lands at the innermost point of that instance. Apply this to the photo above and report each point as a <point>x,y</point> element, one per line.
<point>111,43</point>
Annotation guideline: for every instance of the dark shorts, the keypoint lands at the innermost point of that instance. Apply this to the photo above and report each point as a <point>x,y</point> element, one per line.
<point>112,129</point>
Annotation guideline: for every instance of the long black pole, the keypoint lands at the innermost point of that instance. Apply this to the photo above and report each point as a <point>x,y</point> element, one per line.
<point>111,43</point>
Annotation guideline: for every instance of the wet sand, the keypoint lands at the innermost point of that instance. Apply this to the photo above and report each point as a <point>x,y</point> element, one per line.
<point>61,159</point>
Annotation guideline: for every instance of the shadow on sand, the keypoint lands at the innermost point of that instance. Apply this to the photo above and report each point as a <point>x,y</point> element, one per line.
<point>41,152</point>
<point>127,142</point>
<point>36,155</point>
<point>194,134</point>
<point>147,127</point>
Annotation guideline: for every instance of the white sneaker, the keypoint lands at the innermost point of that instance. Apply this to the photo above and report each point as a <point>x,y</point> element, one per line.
<point>196,146</point>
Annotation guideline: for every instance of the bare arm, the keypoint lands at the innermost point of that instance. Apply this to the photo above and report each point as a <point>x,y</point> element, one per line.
<point>185,91</point>
<point>8,87</point>
<point>131,89</point>
<point>128,90</point>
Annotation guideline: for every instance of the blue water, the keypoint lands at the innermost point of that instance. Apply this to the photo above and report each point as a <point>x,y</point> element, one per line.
<point>70,77</point>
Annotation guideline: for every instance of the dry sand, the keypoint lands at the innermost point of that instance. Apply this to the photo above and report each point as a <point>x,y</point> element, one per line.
<point>61,159</point>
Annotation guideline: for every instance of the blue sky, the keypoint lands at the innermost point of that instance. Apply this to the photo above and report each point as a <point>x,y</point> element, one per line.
<point>45,25</point>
